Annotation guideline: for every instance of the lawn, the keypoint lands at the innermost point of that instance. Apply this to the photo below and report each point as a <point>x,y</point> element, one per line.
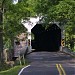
<point>12,71</point>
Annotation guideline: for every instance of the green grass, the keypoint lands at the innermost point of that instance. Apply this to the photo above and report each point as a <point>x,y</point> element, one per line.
<point>12,71</point>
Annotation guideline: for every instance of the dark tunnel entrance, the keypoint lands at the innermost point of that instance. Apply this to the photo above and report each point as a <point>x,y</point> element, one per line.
<point>46,40</point>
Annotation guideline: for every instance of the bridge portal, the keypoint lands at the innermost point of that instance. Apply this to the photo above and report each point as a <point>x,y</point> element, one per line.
<point>46,39</point>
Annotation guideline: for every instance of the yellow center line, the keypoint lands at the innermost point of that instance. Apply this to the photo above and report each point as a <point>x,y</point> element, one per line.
<point>62,69</point>
<point>59,70</point>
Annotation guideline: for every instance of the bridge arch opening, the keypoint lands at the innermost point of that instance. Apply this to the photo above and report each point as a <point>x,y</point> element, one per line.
<point>46,40</point>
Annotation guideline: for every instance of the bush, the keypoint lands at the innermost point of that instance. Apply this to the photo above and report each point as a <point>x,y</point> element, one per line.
<point>4,66</point>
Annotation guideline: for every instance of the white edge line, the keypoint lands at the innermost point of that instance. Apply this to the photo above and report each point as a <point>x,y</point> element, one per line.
<point>23,69</point>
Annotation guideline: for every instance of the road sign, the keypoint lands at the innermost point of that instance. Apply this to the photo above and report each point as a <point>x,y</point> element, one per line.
<point>62,42</point>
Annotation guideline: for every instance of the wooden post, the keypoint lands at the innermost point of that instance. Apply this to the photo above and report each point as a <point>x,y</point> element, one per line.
<point>20,60</point>
<point>23,59</point>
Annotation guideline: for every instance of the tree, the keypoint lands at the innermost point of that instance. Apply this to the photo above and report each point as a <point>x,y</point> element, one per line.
<point>61,11</point>
<point>53,10</point>
<point>1,29</point>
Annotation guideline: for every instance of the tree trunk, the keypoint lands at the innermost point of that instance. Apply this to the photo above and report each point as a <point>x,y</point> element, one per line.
<point>12,48</point>
<point>1,29</point>
<point>1,47</point>
<point>1,36</point>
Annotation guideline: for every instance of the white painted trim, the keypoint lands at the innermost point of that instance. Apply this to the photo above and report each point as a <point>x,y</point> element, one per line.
<point>23,69</point>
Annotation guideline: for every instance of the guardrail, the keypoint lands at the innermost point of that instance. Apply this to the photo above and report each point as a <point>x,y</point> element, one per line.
<point>67,51</point>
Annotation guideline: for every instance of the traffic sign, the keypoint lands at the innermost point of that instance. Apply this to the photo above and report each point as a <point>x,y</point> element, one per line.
<point>62,42</point>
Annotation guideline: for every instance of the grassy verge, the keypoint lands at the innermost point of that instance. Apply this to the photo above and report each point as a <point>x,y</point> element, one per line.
<point>12,71</point>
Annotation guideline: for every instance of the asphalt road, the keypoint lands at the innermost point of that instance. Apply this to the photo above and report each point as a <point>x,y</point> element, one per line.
<point>49,63</point>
